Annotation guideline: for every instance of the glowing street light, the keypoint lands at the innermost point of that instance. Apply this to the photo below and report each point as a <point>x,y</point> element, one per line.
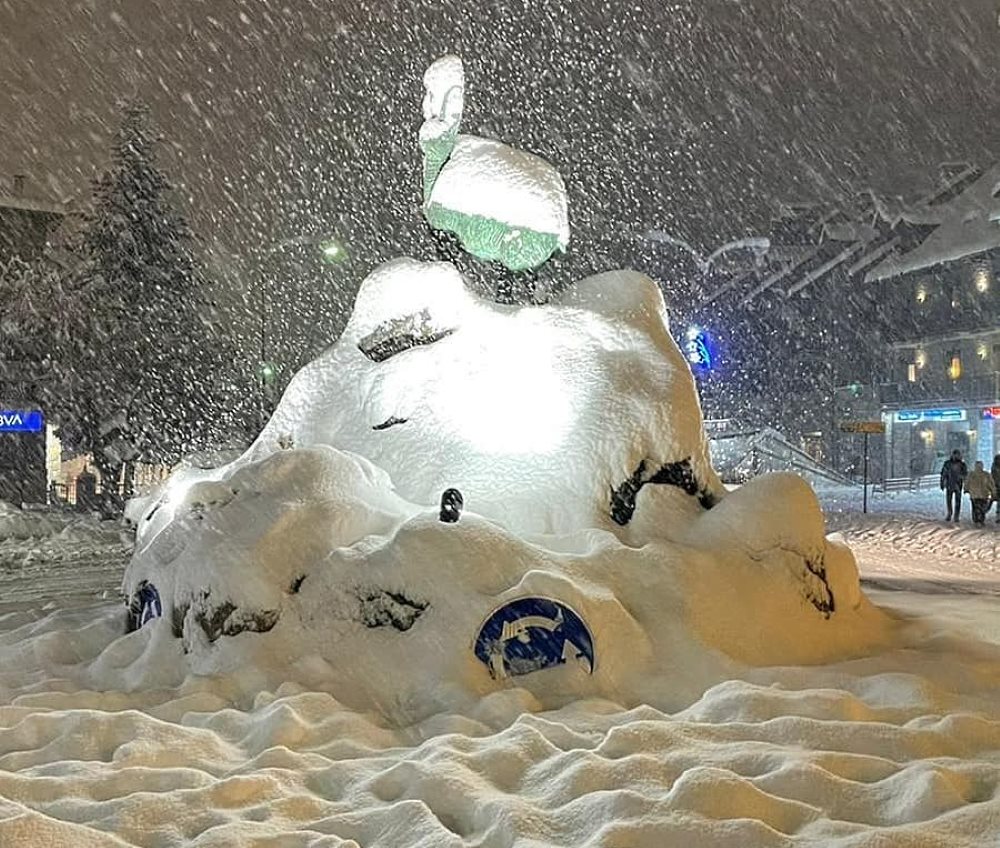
<point>332,251</point>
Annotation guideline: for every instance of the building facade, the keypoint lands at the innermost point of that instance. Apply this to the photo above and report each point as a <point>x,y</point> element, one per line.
<point>876,310</point>
<point>26,225</point>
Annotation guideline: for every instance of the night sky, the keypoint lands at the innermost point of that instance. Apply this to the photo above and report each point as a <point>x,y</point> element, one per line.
<point>297,116</point>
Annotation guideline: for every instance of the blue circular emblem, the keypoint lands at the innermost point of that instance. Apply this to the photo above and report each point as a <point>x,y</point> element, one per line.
<point>531,634</point>
<point>144,606</point>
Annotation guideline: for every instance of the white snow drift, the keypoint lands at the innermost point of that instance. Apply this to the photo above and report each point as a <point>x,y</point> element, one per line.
<point>573,431</point>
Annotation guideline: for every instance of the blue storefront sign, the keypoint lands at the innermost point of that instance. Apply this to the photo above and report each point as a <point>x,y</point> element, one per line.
<point>531,634</point>
<point>21,421</point>
<point>909,416</point>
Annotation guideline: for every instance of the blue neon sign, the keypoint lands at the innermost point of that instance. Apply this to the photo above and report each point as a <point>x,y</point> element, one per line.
<point>21,421</point>
<point>698,348</point>
<point>906,416</point>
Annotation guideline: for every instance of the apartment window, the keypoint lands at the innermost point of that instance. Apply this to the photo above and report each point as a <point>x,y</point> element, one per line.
<point>954,363</point>
<point>911,372</point>
<point>982,277</point>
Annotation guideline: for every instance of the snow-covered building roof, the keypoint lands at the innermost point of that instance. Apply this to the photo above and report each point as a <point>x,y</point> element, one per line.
<point>878,237</point>
<point>31,204</point>
<point>964,226</point>
<point>26,223</point>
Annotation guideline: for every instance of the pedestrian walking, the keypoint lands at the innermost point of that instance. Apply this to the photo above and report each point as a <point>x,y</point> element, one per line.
<point>982,492</point>
<point>995,471</point>
<point>953,474</point>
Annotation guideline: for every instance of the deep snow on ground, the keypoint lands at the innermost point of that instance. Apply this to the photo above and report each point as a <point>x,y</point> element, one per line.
<point>904,541</point>
<point>315,677</point>
<point>744,691</point>
<point>898,748</point>
<point>50,555</point>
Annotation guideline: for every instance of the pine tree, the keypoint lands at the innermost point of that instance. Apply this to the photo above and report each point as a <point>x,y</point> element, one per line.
<point>141,371</point>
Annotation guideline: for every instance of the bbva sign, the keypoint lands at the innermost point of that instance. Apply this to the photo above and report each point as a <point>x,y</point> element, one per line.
<point>21,421</point>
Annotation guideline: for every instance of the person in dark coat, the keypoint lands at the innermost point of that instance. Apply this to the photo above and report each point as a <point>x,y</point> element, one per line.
<point>953,474</point>
<point>995,471</point>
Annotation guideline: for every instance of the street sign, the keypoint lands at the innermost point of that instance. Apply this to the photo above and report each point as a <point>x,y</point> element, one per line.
<point>866,428</point>
<point>911,416</point>
<point>531,634</point>
<point>862,426</point>
<point>21,421</point>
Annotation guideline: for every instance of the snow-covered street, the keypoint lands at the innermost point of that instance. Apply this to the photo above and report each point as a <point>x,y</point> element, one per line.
<point>905,543</point>
<point>897,748</point>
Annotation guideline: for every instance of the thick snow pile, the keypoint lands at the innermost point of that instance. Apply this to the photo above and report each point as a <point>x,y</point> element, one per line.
<point>19,525</point>
<point>16,523</point>
<point>901,748</point>
<point>699,671</point>
<point>537,414</point>
<point>597,550</point>
<point>32,542</point>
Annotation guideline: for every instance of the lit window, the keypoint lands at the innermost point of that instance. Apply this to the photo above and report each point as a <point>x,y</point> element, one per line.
<point>921,359</point>
<point>982,350</point>
<point>981,278</point>
<point>921,293</point>
<point>954,364</point>
<point>911,372</point>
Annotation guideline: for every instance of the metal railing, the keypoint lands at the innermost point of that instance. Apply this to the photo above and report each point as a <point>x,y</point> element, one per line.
<point>741,455</point>
<point>909,484</point>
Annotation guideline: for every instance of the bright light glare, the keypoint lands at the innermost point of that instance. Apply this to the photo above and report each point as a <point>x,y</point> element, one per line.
<point>515,402</point>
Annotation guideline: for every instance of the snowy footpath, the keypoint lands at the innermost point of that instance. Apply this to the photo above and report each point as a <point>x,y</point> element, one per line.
<point>899,748</point>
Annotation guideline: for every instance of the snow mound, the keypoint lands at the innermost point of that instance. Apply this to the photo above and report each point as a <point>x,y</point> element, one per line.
<point>27,524</point>
<point>598,556</point>
<point>537,414</point>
